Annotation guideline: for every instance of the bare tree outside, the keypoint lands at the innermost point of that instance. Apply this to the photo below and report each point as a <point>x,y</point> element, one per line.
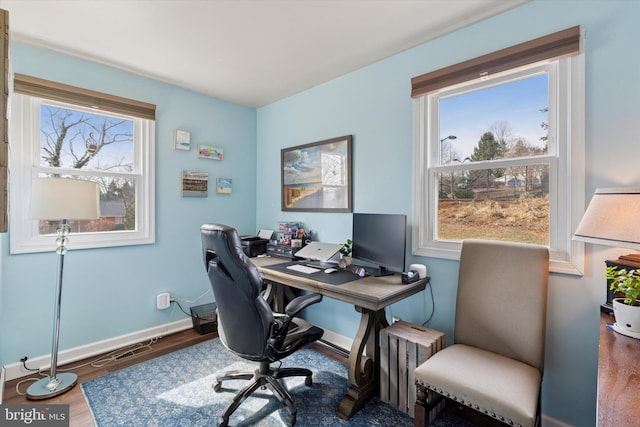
<point>102,147</point>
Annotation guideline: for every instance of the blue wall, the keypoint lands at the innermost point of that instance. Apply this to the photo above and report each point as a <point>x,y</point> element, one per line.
<point>111,292</point>
<point>373,105</point>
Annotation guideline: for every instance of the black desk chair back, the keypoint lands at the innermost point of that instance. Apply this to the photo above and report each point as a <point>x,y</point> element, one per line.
<point>246,324</point>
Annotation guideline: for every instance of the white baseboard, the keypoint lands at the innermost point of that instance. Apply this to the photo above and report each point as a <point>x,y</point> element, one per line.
<point>16,370</point>
<point>3,375</point>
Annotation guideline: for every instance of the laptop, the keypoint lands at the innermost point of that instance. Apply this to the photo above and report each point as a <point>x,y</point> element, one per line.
<point>317,251</point>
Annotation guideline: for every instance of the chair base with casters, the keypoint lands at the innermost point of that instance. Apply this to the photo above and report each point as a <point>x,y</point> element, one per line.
<point>247,325</point>
<point>264,376</point>
<point>267,377</point>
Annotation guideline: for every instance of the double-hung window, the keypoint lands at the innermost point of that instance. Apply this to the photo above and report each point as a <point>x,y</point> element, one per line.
<point>63,131</point>
<point>498,148</point>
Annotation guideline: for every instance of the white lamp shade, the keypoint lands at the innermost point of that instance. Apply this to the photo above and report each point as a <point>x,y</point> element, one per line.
<point>611,219</point>
<point>62,198</point>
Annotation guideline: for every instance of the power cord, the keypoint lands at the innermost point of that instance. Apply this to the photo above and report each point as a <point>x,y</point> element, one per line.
<point>181,309</point>
<point>96,363</point>
<point>175,299</point>
<point>106,359</point>
<point>433,306</point>
<point>24,365</point>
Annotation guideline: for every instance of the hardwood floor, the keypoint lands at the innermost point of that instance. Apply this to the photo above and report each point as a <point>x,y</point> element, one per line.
<point>79,413</point>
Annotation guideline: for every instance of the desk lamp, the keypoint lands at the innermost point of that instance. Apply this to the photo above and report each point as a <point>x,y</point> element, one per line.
<point>60,199</point>
<point>611,219</point>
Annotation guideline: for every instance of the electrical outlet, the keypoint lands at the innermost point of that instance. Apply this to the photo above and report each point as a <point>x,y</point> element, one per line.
<point>163,300</point>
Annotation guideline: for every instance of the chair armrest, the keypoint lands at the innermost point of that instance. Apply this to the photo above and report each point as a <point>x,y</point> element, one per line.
<point>293,308</point>
<point>301,302</point>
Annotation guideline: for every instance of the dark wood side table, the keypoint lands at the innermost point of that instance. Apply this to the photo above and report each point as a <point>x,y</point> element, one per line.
<point>618,377</point>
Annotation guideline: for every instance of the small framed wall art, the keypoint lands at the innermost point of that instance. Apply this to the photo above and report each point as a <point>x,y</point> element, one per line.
<point>182,140</point>
<point>194,184</point>
<point>210,152</point>
<point>223,186</point>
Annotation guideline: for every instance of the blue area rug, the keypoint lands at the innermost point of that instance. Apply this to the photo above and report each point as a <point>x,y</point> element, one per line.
<point>176,390</point>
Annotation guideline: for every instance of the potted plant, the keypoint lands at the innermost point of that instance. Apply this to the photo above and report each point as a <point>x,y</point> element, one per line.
<point>346,248</point>
<point>626,310</point>
<point>345,252</point>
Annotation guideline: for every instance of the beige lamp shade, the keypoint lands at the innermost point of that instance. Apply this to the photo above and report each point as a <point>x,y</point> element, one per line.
<point>611,219</point>
<point>63,198</point>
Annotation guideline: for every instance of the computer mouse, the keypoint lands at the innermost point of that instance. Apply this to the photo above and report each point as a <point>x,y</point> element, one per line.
<point>330,270</point>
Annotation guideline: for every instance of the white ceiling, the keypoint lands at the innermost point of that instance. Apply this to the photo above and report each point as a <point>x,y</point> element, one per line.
<point>251,52</point>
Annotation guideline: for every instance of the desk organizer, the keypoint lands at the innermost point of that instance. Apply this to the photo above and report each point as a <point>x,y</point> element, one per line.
<point>282,251</point>
<point>403,347</point>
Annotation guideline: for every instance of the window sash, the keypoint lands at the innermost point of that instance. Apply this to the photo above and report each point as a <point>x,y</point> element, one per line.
<point>565,158</point>
<point>25,163</point>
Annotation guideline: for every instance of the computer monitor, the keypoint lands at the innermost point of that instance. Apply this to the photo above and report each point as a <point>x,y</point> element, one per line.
<point>380,239</point>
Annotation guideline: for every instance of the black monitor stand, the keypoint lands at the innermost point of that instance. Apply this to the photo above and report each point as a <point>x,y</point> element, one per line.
<point>380,271</point>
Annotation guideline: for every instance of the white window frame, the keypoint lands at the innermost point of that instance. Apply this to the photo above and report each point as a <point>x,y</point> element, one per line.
<point>24,165</point>
<point>565,157</point>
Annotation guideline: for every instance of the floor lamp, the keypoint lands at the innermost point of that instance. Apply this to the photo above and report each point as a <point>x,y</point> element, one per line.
<point>60,199</point>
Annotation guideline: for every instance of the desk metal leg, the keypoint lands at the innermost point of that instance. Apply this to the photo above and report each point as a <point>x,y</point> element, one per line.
<point>364,361</point>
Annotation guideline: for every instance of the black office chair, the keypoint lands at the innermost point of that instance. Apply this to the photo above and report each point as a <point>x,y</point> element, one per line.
<point>246,324</point>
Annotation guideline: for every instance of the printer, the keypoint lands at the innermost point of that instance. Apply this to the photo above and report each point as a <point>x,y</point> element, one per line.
<point>256,245</point>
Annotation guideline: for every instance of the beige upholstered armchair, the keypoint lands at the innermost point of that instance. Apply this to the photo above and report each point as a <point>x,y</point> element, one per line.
<point>496,363</point>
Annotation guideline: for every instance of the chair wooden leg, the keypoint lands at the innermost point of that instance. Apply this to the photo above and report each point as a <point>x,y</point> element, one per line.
<point>423,407</point>
<point>420,413</point>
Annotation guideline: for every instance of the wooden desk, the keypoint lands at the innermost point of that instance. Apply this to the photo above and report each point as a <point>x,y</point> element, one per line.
<point>618,377</point>
<point>369,295</point>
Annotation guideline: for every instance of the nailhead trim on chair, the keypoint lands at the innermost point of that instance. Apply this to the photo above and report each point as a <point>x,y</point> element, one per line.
<point>469,404</point>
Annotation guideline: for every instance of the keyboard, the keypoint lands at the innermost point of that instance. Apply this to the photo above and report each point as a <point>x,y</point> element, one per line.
<point>303,269</point>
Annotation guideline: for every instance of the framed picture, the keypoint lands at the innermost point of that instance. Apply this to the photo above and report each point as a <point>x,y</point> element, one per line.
<point>209,152</point>
<point>316,177</point>
<point>194,184</point>
<point>182,140</point>
<point>223,186</point>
